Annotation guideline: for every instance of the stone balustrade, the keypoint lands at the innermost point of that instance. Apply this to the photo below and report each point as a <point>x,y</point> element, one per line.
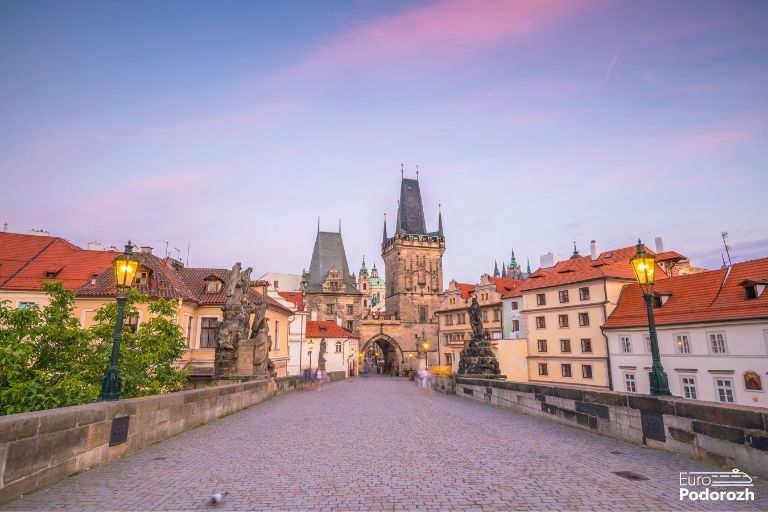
<point>40,448</point>
<point>726,435</point>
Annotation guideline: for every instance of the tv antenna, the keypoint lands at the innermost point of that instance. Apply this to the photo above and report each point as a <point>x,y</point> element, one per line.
<point>178,253</point>
<point>724,234</point>
<point>166,246</point>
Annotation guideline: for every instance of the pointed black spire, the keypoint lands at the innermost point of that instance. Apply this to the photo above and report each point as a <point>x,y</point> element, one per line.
<point>528,270</point>
<point>575,252</point>
<point>504,271</point>
<point>384,238</point>
<point>439,219</point>
<point>495,268</point>
<point>398,224</point>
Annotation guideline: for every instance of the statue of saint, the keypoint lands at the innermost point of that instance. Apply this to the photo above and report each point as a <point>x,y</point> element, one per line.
<point>475,319</point>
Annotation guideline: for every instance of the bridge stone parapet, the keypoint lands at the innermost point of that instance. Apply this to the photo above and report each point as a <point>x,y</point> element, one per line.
<point>723,434</point>
<point>40,448</point>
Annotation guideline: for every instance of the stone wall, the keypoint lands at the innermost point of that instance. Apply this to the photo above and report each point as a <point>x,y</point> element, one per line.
<point>726,435</point>
<point>40,448</point>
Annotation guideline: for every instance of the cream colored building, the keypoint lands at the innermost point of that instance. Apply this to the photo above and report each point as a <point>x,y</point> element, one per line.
<point>564,306</point>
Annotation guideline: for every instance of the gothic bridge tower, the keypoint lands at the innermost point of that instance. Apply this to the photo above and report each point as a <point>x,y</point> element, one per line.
<point>413,263</point>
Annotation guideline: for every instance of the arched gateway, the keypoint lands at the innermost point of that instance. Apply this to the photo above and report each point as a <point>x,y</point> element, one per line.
<point>386,352</point>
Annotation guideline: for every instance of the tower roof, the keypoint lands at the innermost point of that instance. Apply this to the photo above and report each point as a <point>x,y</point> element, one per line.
<point>328,252</point>
<point>411,212</point>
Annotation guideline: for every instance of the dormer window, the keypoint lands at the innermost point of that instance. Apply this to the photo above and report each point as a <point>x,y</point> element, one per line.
<point>659,299</point>
<point>142,278</point>
<point>50,274</point>
<point>751,292</point>
<point>212,286</point>
<point>753,289</point>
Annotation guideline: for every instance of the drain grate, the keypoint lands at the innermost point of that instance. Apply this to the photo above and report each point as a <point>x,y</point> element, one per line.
<point>629,475</point>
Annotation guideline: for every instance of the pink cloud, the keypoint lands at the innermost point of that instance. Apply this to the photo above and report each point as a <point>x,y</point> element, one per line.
<point>725,136</point>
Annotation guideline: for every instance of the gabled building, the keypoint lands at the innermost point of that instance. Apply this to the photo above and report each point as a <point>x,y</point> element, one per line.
<point>564,306</point>
<point>712,330</point>
<point>330,291</point>
<point>341,347</point>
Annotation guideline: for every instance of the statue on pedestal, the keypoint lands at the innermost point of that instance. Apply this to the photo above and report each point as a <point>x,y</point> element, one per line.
<point>321,357</point>
<point>477,358</point>
<point>262,365</point>
<point>234,325</point>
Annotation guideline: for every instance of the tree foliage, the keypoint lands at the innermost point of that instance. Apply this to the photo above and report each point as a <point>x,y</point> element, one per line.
<point>47,360</point>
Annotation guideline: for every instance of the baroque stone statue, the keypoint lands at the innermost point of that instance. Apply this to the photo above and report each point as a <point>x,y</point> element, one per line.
<point>262,365</point>
<point>233,329</point>
<point>477,358</point>
<point>321,356</point>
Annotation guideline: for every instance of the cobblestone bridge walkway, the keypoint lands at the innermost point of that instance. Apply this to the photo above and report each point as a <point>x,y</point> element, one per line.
<point>382,444</point>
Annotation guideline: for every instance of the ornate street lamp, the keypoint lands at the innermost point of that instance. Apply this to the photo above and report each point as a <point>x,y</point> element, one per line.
<point>310,346</point>
<point>125,271</point>
<point>644,266</point>
<point>425,346</point>
<point>410,360</point>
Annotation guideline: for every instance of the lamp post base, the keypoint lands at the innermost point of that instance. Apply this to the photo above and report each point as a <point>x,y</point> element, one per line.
<point>110,386</point>
<point>659,383</point>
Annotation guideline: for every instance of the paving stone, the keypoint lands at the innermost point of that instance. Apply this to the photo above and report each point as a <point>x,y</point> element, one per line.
<point>382,444</point>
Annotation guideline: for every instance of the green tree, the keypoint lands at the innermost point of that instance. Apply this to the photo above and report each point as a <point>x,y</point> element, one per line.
<point>47,360</point>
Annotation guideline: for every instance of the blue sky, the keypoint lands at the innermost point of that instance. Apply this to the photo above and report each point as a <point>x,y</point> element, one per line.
<point>233,126</point>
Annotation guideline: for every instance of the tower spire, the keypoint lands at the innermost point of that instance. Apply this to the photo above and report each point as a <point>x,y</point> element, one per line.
<point>495,268</point>
<point>339,225</point>
<point>402,171</point>
<point>528,270</point>
<point>384,238</point>
<point>439,220</point>
<point>398,226</point>
<point>417,172</point>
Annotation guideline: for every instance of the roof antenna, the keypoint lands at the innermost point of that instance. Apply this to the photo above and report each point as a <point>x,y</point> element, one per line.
<point>5,227</point>
<point>188,244</point>
<point>166,247</point>
<point>724,234</point>
<point>402,171</point>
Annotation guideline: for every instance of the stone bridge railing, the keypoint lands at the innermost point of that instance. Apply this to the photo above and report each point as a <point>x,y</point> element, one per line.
<point>723,434</point>
<point>40,448</point>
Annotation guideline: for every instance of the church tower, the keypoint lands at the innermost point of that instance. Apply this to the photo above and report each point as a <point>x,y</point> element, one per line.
<point>413,260</point>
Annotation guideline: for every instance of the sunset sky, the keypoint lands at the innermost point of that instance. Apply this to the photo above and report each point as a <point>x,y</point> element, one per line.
<point>231,126</point>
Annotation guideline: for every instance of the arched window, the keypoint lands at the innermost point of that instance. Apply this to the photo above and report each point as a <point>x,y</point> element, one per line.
<point>338,347</point>
<point>752,381</point>
<point>365,286</point>
<point>365,303</point>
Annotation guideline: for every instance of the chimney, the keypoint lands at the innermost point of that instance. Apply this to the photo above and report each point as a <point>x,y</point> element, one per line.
<point>594,250</point>
<point>145,249</point>
<point>95,246</point>
<point>659,244</point>
<point>313,315</point>
<point>547,260</point>
<point>38,232</point>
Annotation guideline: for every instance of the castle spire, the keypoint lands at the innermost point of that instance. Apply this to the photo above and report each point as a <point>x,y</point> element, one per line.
<point>402,171</point>
<point>384,239</point>
<point>528,270</point>
<point>439,220</point>
<point>398,225</point>
<point>417,172</point>
<point>495,268</point>
<point>503,271</point>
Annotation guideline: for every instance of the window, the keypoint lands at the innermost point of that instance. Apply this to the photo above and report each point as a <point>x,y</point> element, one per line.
<point>682,344</point>
<point>365,303</point>
<point>717,342</point>
<point>563,320</point>
<point>142,278</point>
<point>586,371</point>
<point>485,315</point>
<point>26,305</point>
<point>365,286</point>
<point>514,304</point>
<point>329,309</point>
<point>540,322</point>
<point>277,284</point>
<point>350,309</point>
<point>565,345</point>
<point>584,293</point>
<point>461,318</point>
<point>541,300</point>
<point>189,331</point>
<point>647,339</point>
<point>449,319</point>
<point>629,383</point>
<point>586,345</point>
<point>753,381</point>
<point>543,369</point>
<point>689,387</point>
<point>565,370</point>
<point>563,296</point>
<point>724,389</point>
<point>208,328</point>
<point>625,342</point>
<point>515,325</point>
<point>350,325</point>
<point>496,315</point>
<point>131,323</point>
<point>751,292</point>
<point>542,345</point>
<point>449,359</point>
<point>276,342</point>
<point>583,319</point>
<point>422,314</point>
<point>212,286</point>
<point>338,347</point>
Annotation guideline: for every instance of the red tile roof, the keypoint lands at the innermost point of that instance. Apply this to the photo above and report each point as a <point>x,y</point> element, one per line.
<point>466,290</point>
<point>327,329</point>
<point>696,298</point>
<point>613,264</point>
<point>296,298</point>
<point>26,260</point>
<point>507,287</point>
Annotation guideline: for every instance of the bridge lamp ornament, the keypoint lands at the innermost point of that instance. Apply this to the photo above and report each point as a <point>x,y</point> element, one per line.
<point>310,346</point>
<point>425,346</point>
<point>125,272</point>
<point>644,265</point>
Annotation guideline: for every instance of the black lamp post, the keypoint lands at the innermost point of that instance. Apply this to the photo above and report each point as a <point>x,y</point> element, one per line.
<point>310,346</point>
<point>425,346</point>
<point>644,266</point>
<point>125,271</point>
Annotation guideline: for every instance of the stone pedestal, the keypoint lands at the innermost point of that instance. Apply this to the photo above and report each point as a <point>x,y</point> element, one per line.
<point>225,363</point>
<point>479,361</point>
<point>245,351</point>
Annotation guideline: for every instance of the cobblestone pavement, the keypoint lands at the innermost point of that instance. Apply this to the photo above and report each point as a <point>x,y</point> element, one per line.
<point>382,444</point>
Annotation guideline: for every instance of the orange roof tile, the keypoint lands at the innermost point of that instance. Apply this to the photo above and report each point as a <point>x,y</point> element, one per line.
<point>466,290</point>
<point>27,260</point>
<point>613,264</point>
<point>712,296</point>
<point>507,287</point>
<point>296,298</point>
<point>327,329</point>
